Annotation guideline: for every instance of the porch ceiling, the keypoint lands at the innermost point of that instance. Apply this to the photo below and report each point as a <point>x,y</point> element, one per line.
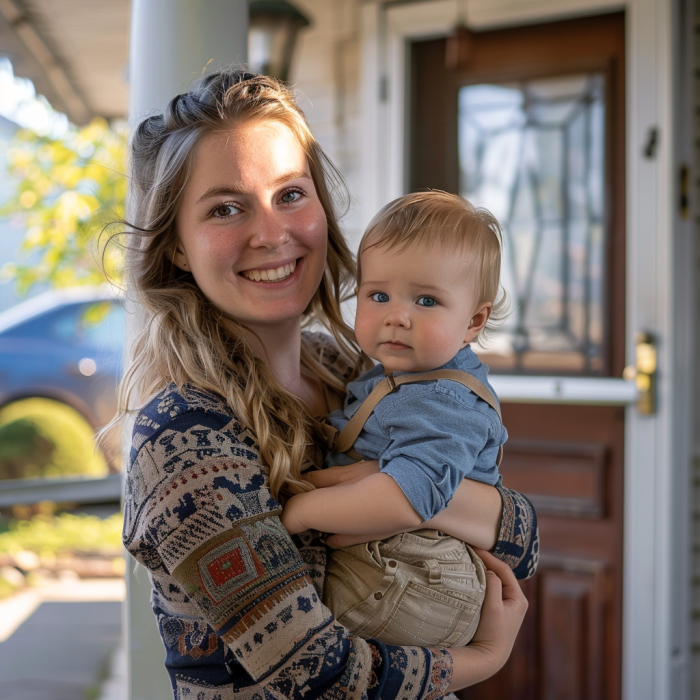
<point>75,51</point>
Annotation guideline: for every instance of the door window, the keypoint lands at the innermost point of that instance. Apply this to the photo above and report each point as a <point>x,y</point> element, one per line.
<point>533,153</point>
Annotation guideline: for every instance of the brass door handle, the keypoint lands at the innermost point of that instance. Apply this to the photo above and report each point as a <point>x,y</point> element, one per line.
<point>643,372</point>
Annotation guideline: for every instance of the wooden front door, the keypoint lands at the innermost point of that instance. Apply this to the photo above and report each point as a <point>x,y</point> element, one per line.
<point>533,129</point>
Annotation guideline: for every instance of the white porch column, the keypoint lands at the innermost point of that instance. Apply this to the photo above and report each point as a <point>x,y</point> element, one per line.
<point>171,43</point>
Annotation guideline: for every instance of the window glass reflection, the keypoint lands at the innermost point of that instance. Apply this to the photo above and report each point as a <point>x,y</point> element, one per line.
<point>534,154</point>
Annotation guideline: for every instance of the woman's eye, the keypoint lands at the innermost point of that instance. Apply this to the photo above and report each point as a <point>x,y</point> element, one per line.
<point>291,196</point>
<point>223,211</point>
<point>379,297</point>
<point>427,301</point>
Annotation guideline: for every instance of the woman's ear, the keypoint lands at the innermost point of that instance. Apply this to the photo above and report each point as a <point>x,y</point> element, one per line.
<point>478,321</point>
<point>179,258</point>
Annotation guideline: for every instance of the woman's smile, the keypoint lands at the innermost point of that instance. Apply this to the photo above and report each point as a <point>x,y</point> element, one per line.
<point>272,273</point>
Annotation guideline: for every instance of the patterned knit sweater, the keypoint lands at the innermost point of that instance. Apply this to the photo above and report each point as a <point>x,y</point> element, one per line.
<point>238,602</point>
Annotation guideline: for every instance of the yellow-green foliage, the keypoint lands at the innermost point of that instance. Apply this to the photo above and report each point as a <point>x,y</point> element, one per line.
<point>67,190</point>
<point>6,588</point>
<point>40,437</point>
<point>64,533</point>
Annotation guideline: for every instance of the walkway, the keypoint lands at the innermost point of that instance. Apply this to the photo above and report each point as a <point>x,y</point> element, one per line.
<point>59,640</point>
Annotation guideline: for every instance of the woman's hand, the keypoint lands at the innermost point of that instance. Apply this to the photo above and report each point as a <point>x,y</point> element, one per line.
<point>334,476</point>
<point>501,616</point>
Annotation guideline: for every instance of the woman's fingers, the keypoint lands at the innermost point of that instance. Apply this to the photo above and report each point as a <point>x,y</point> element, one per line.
<point>508,588</point>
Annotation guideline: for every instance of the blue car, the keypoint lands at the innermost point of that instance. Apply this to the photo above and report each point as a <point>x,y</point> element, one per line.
<point>65,345</point>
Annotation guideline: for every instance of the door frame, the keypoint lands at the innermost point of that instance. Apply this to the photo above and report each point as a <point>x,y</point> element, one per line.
<point>659,284</point>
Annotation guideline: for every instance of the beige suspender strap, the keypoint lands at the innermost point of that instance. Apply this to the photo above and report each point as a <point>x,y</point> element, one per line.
<point>349,433</point>
<point>454,375</point>
<point>333,400</point>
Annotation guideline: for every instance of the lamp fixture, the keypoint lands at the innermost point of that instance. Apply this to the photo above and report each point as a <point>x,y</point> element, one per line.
<point>272,34</point>
<point>460,44</point>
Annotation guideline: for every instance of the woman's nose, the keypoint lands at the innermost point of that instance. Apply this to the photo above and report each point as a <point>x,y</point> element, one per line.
<point>269,231</point>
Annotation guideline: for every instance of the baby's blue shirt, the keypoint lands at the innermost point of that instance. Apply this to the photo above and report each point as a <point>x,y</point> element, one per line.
<point>428,436</point>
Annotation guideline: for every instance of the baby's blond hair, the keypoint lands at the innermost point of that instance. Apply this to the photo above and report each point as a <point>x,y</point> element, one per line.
<point>434,217</point>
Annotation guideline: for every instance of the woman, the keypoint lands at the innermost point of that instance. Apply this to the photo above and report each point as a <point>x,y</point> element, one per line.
<point>238,246</point>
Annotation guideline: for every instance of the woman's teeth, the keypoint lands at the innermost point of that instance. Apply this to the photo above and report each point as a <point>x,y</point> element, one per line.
<point>274,275</point>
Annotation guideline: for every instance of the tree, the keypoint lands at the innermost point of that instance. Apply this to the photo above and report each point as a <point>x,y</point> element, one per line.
<point>67,190</point>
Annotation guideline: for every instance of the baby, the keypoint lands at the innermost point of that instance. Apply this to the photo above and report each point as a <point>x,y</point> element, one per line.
<point>428,278</point>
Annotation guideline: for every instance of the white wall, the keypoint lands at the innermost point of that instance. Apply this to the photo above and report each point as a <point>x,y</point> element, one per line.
<point>326,75</point>
<point>695,474</point>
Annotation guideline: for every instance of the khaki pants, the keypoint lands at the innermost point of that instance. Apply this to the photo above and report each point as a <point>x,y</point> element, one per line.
<point>417,588</point>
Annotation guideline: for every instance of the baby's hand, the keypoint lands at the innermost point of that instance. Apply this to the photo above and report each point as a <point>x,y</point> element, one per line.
<point>291,516</point>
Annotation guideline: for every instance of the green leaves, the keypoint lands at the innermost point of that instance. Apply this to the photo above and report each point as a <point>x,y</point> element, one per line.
<point>67,191</point>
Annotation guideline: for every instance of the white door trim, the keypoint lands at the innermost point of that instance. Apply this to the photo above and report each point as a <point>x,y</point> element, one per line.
<point>656,611</point>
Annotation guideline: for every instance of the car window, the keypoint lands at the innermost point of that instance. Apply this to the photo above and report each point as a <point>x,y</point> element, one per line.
<point>94,325</point>
<point>103,326</point>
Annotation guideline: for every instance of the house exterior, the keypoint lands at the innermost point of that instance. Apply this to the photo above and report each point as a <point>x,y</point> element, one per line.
<point>10,234</point>
<point>574,121</point>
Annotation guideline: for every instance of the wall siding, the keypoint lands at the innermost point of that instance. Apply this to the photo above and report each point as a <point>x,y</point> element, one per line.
<point>695,486</point>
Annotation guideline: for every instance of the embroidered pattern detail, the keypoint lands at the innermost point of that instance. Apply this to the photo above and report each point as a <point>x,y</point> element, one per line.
<point>440,674</point>
<point>518,541</point>
<point>191,638</point>
<point>228,567</point>
<point>191,689</point>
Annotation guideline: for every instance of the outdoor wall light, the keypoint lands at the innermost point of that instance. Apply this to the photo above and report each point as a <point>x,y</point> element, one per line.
<point>459,47</point>
<point>272,34</point>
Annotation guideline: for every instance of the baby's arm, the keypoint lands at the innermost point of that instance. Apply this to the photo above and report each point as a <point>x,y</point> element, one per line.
<point>473,516</point>
<point>375,504</point>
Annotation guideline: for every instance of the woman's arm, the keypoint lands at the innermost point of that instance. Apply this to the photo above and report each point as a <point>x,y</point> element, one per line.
<point>473,515</point>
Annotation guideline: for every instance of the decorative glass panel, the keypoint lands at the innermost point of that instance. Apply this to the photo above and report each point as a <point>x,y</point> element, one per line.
<point>533,153</point>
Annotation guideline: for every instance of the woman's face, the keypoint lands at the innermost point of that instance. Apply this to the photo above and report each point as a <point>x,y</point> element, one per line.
<point>251,228</point>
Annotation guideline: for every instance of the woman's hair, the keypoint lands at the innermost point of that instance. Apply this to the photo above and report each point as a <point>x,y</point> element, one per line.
<point>437,218</point>
<point>185,339</point>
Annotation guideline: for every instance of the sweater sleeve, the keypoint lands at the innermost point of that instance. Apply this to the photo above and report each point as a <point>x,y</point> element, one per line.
<point>199,509</point>
<point>518,543</point>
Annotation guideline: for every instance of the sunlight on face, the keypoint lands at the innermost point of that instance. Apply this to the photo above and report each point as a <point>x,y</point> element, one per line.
<point>251,228</point>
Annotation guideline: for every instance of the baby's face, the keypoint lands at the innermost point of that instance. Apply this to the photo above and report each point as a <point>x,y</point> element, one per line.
<point>415,306</point>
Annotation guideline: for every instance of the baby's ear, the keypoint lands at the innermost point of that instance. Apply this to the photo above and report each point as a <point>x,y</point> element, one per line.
<point>478,321</point>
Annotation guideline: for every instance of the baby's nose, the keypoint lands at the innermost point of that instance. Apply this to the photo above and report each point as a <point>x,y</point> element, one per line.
<point>398,318</point>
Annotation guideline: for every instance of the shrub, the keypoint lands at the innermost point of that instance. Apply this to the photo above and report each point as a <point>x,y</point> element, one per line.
<point>45,438</point>
<point>63,533</point>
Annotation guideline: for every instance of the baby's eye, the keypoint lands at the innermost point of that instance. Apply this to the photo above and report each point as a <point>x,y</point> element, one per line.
<point>223,211</point>
<point>427,301</point>
<point>379,297</point>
